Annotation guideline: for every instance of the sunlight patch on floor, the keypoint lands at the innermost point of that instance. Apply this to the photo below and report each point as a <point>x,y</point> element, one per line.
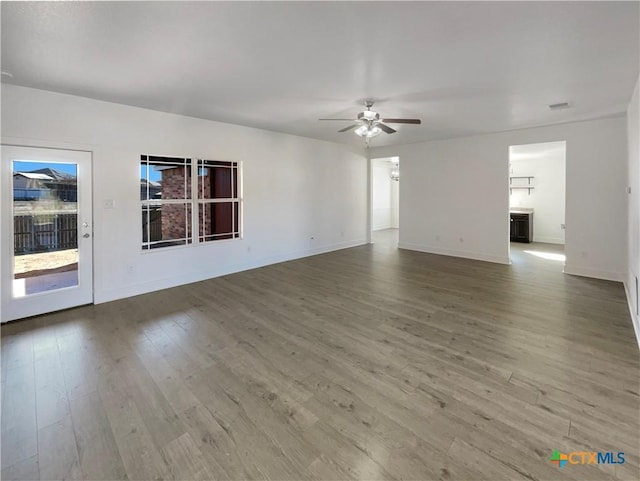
<point>551,256</point>
<point>45,282</point>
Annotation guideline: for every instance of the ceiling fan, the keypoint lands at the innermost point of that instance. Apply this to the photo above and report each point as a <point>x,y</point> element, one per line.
<point>369,124</point>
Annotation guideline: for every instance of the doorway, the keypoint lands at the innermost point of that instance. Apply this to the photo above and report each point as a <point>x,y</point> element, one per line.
<point>385,200</point>
<point>46,231</point>
<point>537,184</point>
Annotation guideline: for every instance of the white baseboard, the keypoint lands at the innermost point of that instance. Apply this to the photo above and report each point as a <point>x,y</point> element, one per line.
<point>454,253</point>
<point>635,321</point>
<point>595,273</point>
<point>548,240</point>
<point>201,275</point>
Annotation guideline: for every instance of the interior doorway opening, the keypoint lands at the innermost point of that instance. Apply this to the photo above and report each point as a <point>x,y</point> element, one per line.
<point>537,192</point>
<point>385,200</point>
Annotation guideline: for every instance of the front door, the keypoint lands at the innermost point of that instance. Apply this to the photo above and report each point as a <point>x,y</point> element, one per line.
<point>46,231</point>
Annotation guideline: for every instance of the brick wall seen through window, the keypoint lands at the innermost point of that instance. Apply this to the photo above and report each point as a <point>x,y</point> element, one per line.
<point>171,214</point>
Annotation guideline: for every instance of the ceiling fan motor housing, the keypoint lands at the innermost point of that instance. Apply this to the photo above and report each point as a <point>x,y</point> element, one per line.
<point>369,115</point>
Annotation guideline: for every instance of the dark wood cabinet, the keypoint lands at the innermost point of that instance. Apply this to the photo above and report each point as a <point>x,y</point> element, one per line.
<point>521,227</point>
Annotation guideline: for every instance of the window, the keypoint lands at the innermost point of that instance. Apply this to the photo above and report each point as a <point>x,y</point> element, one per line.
<point>171,214</point>
<point>218,200</point>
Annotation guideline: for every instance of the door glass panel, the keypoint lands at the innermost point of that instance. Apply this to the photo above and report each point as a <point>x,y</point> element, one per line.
<point>45,227</point>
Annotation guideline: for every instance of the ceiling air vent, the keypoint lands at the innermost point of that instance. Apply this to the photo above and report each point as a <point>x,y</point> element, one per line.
<point>559,106</point>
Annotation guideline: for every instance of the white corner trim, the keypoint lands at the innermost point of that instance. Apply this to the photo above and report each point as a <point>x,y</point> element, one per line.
<point>634,319</point>
<point>454,253</point>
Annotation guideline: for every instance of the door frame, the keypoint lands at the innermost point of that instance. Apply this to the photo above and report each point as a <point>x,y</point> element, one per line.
<point>371,162</point>
<point>508,191</point>
<point>85,289</point>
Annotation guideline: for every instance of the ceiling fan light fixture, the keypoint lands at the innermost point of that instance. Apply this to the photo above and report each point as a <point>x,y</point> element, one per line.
<point>373,131</point>
<point>362,130</point>
<point>368,131</point>
<point>395,172</point>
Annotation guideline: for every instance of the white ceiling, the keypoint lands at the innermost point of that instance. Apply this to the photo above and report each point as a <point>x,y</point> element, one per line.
<point>463,68</point>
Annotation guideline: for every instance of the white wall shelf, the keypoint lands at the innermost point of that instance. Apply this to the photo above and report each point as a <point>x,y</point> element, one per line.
<point>528,186</point>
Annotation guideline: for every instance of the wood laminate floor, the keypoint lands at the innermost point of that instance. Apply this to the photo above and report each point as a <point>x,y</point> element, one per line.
<point>366,363</point>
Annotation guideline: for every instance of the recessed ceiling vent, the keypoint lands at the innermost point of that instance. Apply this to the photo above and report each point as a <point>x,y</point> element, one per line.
<point>559,106</point>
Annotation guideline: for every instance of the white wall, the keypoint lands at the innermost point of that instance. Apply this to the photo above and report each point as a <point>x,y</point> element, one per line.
<point>455,195</point>
<point>385,195</point>
<point>294,203</point>
<point>546,162</point>
<point>633,130</point>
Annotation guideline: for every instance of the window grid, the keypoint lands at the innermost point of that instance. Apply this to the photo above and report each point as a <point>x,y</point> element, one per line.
<point>210,169</point>
<point>210,222</point>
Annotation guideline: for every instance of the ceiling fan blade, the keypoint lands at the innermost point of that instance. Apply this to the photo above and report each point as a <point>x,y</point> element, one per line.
<point>386,128</point>
<point>402,121</point>
<point>348,128</point>
<point>348,120</point>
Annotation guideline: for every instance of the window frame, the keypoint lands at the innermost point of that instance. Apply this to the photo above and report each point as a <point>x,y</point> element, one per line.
<point>235,199</point>
<point>193,201</point>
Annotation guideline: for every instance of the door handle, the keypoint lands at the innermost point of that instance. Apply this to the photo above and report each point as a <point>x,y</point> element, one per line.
<point>86,236</point>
